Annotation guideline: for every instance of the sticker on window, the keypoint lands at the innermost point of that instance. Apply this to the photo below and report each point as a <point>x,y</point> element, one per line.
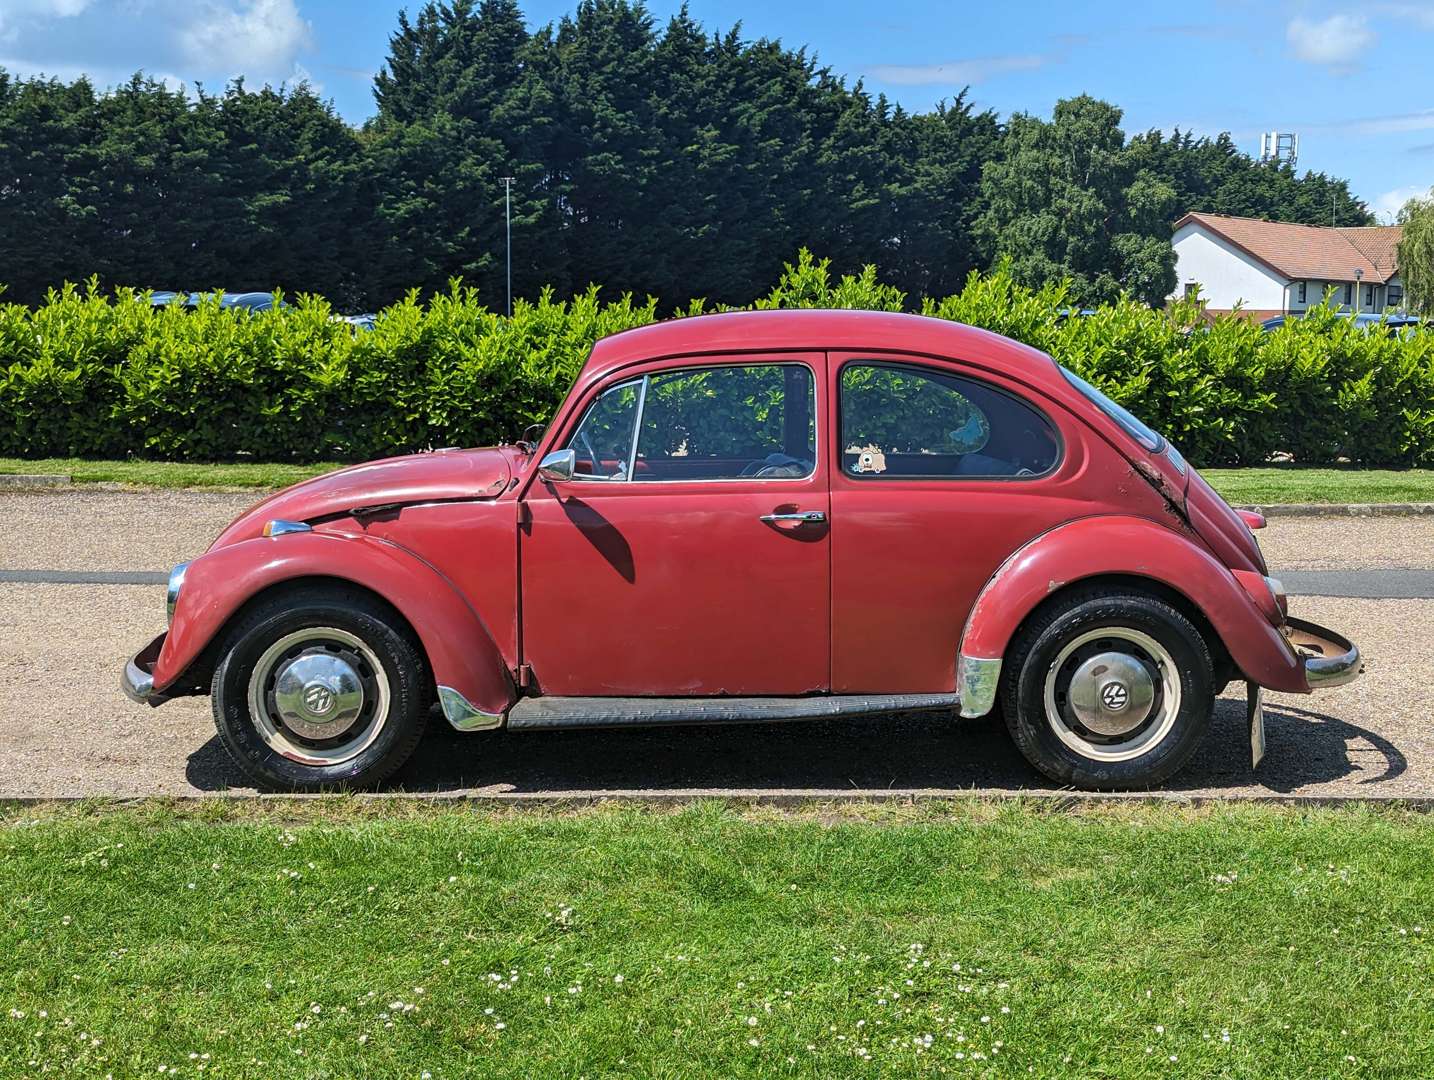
<point>869,458</point>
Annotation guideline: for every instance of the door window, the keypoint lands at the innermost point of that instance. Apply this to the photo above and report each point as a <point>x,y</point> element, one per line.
<point>602,443</point>
<point>899,421</point>
<point>728,423</point>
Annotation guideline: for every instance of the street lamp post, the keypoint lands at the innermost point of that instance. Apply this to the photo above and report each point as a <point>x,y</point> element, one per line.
<point>508,228</point>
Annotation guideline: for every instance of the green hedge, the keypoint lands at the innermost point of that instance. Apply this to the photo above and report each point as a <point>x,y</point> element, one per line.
<point>90,376</point>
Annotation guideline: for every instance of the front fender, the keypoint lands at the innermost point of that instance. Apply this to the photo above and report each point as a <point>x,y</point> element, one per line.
<point>460,650</point>
<point>1129,547</point>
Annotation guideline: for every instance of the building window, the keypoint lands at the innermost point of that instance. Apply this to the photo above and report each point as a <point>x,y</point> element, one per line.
<point>1369,296</point>
<point>1348,295</point>
<point>1303,284</point>
<point>1395,296</point>
<point>1192,290</point>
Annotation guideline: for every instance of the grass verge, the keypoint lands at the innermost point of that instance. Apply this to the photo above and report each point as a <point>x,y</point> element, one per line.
<point>1300,485</point>
<point>169,474</point>
<point>709,942</point>
<point>1240,486</point>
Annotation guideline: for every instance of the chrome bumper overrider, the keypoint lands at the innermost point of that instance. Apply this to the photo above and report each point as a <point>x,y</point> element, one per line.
<point>463,715</point>
<point>137,681</point>
<point>1330,659</point>
<point>977,680</point>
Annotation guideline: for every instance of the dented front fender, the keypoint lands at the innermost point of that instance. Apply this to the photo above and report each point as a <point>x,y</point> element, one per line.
<point>460,649</point>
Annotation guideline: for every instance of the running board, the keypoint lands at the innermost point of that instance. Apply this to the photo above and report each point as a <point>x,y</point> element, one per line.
<point>597,712</point>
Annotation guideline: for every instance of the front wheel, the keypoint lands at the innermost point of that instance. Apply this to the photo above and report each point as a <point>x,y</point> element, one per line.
<point>320,689</point>
<point>1108,690</point>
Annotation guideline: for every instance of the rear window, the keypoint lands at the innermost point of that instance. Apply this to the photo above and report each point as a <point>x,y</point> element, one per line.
<point>1137,428</point>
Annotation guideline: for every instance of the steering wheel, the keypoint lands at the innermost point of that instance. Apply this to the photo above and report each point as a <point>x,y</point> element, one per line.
<point>587,445</point>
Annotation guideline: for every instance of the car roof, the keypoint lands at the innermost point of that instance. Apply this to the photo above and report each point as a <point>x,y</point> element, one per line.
<point>819,330</point>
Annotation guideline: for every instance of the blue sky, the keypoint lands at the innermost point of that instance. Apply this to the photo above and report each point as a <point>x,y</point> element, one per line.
<point>1347,78</point>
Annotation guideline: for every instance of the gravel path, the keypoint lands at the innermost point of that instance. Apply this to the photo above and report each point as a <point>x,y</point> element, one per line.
<point>65,728</point>
<point>85,528</point>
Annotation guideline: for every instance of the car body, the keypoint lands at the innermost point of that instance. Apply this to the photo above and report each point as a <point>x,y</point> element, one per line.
<point>1394,322</point>
<point>748,517</point>
<point>246,301</point>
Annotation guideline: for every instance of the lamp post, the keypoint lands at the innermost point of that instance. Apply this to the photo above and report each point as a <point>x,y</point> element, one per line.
<point>1358,280</point>
<point>508,228</point>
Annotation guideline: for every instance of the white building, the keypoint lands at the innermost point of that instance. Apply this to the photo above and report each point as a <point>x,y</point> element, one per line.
<point>1271,268</point>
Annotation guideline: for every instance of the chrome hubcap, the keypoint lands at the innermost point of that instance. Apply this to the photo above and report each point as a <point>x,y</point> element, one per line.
<point>319,696</point>
<point>1112,694</point>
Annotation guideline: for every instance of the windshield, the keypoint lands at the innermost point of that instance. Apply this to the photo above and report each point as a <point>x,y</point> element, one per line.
<point>1138,429</point>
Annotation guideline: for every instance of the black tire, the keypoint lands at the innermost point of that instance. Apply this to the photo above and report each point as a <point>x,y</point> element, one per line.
<point>1173,731</point>
<point>400,675</point>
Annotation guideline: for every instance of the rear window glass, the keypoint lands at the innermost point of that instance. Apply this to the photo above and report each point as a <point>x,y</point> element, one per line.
<point>1137,428</point>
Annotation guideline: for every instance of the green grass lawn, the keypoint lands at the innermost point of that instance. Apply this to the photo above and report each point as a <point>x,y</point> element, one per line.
<point>169,474</point>
<point>1240,486</point>
<point>393,939</point>
<point>1291,484</point>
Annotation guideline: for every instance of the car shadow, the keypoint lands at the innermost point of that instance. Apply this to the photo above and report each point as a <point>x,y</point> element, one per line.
<point>1305,749</point>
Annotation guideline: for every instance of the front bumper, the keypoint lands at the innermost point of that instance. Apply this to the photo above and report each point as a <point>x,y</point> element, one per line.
<point>1330,659</point>
<point>137,681</point>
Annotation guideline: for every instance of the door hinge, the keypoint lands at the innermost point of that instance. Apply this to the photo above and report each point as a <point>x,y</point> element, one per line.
<point>525,516</point>
<point>524,676</point>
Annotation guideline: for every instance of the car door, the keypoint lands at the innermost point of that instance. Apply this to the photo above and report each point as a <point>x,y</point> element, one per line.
<point>938,475</point>
<point>689,555</point>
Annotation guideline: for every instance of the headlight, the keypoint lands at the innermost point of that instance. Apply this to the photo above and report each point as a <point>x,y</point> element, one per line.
<point>171,593</point>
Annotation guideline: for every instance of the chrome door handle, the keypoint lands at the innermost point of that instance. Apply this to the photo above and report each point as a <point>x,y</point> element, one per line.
<point>813,517</point>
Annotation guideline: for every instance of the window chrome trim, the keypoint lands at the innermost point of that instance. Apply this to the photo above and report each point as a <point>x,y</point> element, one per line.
<point>637,431</point>
<point>637,426</point>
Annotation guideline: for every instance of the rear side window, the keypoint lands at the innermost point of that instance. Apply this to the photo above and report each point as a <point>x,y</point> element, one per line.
<point>902,421</point>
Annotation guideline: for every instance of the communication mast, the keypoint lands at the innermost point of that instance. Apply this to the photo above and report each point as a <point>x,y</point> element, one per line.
<point>1280,147</point>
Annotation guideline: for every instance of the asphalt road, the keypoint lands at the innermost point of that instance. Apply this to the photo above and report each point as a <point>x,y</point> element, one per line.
<point>65,729</point>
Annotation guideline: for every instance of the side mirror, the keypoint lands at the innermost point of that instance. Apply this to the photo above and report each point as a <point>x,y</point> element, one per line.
<point>558,466</point>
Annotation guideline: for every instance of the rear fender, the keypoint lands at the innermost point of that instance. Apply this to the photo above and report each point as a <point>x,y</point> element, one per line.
<point>1129,547</point>
<point>466,663</point>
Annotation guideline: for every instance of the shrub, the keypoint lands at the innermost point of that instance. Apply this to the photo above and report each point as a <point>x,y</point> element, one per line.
<point>86,375</point>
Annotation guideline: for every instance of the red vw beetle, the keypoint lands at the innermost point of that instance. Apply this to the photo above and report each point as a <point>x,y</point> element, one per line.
<point>754,516</point>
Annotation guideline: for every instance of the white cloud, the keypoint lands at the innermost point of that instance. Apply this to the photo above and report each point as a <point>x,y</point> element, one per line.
<point>1386,207</point>
<point>257,38</point>
<point>15,12</point>
<point>1419,14</point>
<point>208,41</point>
<point>1336,42</point>
<point>956,72</point>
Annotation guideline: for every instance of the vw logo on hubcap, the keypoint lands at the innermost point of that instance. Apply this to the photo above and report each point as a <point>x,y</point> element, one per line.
<point>318,698</point>
<point>1114,696</point>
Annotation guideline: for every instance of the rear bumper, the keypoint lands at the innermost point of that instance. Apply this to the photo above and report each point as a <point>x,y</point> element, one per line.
<point>137,680</point>
<point>1330,659</point>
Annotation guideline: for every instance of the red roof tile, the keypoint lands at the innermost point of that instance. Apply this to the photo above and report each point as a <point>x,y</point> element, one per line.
<point>1309,252</point>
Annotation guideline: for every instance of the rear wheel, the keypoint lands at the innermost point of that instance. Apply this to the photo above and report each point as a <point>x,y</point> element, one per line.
<point>1108,690</point>
<point>322,688</point>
